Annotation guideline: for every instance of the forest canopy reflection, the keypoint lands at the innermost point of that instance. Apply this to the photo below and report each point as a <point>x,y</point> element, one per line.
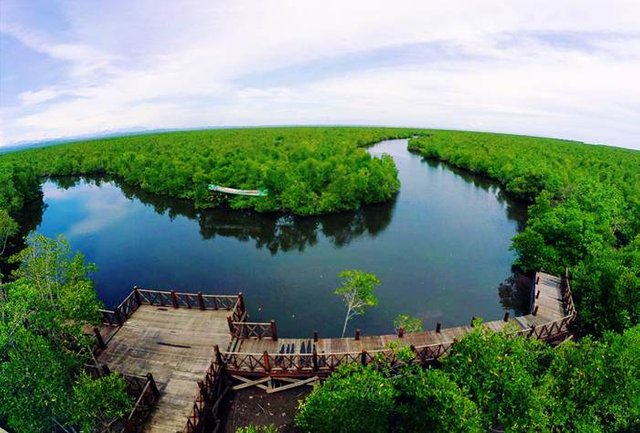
<point>274,232</point>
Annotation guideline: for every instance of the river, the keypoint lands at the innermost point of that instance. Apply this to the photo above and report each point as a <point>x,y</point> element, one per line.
<point>440,248</point>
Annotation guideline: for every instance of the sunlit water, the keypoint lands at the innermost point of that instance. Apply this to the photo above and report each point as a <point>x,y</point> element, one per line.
<point>440,248</point>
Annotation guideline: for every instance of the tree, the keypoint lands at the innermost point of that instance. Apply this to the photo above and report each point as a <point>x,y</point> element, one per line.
<point>408,323</point>
<point>43,349</point>
<point>500,372</point>
<point>430,401</point>
<point>8,227</point>
<point>357,293</point>
<point>97,402</point>
<point>596,384</point>
<point>353,399</point>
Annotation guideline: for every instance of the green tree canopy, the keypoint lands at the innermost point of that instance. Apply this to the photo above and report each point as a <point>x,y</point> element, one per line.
<point>357,293</point>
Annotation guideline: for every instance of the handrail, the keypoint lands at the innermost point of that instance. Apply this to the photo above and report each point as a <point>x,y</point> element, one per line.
<point>209,393</point>
<point>257,330</point>
<point>327,361</point>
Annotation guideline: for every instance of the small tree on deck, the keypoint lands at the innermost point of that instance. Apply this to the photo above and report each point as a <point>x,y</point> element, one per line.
<point>357,293</point>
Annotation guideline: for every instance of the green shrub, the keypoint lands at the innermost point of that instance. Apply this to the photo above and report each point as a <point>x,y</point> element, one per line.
<point>500,372</point>
<point>354,399</point>
<point>429,401</point>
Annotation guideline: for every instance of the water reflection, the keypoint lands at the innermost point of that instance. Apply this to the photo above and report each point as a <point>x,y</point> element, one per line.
<point>274,232</point>
<point>516,211</point>
<point>514,294</point>
<point>30,218</point>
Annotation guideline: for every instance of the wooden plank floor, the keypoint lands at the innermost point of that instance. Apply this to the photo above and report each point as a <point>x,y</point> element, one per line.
<point>550,308</point>
<point>176,346</point>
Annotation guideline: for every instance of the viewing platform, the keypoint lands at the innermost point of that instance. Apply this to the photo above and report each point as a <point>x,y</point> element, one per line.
<point>192,343</point>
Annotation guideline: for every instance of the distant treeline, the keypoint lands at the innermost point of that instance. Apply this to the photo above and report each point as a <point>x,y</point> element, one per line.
<point>308,171</point>
<point>585,213</point>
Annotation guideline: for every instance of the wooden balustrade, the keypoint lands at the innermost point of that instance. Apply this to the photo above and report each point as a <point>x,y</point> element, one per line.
<point>257,330</point>
<point>184,300</point>
<point>210,393</point>
<point>147,394</point>
<point>109,318</point>
<point>296,363</point>
<point>139,296</point>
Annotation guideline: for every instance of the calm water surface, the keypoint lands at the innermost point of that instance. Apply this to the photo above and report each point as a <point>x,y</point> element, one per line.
<point>440,248</point>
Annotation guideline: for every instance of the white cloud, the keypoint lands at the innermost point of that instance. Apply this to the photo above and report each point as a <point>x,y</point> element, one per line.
<point>38,96</point>
<point>101,210</point>
<point>134,65</point>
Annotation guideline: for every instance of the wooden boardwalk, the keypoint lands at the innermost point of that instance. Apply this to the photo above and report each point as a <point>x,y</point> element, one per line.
<point>255,354</point>
<point>190,342</point>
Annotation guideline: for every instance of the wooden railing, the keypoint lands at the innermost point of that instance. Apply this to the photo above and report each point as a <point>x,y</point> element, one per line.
<point>557,329</point>
<point>302,363</point>
<point>140,296</point>
<point>319,363</point>
<point>257,330</point>
<point>211,392</point>
<point>147,393</point>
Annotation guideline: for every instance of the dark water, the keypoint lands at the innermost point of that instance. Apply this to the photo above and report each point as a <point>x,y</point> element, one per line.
<point>440,248</point>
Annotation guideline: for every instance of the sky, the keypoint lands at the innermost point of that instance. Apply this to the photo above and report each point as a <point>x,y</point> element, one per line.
<point>567,69</point>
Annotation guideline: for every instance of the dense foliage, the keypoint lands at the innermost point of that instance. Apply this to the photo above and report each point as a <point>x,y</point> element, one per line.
<point>489,381</point>
<point>585,213</point>
<point>499,374</point>
<point>43,348</point>
<point>354,399</point>
<point>306,170</point>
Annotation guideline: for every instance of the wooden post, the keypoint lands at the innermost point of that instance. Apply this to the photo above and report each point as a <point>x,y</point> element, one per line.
<point>104,370</point>
<point>201,300</point>
<point>136,293</point>
<point>535,310</point>
<point>537,280</point>
<point>314,358</point>
<point>101,343</point>
<point>357,334</point>
<point>203,390</point>
<point>506,316</point>
<point>265,358</point>
<point>215,303</point>
<point>438,326</point>
<point>130,426</point>
<point>538,294</point>
<point>241,301</point>
<point>274,331</point>
<point>232,329</point>
<point>315,336</point>
<point>116,311</point>
<point>533,329</point>
<point>174,299</point>
<point>363,357</point>
<point>152,385</point>
<point>401,332</point>
<point>218,355</point>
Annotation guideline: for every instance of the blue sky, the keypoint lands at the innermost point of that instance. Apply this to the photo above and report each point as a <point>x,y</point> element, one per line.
<point>564,69</point>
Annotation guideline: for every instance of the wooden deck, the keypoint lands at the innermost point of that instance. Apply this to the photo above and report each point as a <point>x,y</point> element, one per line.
<point>190,342</point>
<point>176,346</point>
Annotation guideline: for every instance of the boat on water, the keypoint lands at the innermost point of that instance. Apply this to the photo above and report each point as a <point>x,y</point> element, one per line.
<point>234,191</point>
